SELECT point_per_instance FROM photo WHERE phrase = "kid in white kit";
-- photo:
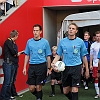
(94, 62)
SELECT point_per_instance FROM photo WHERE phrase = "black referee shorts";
(36, 73)
(72, 76)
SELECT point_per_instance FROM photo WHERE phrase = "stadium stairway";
(12, 10)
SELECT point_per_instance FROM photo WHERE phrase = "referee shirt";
(38, 50)
(72, 50)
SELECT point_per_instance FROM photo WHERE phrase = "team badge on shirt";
(40, 51)
(75, 50)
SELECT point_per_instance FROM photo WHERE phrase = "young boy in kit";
(55, 75)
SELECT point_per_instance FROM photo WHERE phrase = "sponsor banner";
(86, 1)
(71, 2)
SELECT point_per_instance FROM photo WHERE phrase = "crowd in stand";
(5, 5)
(2, 6)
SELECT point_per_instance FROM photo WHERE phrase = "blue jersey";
(72, 51)
(87, 46)
(38, 50)
(99, 54)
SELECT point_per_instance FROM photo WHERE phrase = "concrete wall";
(49, 24)
(52, 23)
(61, 15)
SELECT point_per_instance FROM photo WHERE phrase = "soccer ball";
(60, 66)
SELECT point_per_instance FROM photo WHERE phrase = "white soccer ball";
(60, 66)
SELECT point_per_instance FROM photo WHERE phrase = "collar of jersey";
(73, 39)
(37, 40)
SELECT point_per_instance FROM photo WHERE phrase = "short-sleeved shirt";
(88, 44)
(72, 50)
(38, 50)
(94, 52)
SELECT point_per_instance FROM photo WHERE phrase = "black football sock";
(61, 88)
(74, 95)
(87, 82)
(34, 93)
(69, 95)
(39, 95)
(53, 89)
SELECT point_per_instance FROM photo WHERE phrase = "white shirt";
(2, 6)
(10, 2)
(94, 49)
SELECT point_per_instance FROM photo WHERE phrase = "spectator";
(2, 1)
(16, 2)
(2, 7)
(10, 60)
(9, 4)
(13, 88)
(1, 12)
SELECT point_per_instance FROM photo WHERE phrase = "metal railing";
(16, 2)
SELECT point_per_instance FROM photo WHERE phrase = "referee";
(38, 50)
(72, 48)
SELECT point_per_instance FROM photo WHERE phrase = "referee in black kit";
(72, 48)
